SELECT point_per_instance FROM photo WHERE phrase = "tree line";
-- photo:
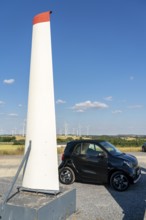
(115, 140)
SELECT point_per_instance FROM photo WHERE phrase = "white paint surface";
(42, 168)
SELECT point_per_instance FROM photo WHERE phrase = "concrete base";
(36, 206)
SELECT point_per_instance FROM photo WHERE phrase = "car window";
(97, 148)
(93, 150)
(77, 149)
(81, 148)
(91, 146)
(87, 149)
(110, 148)
(68, 148)
(84, 148)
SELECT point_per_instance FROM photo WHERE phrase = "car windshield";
(110, 148)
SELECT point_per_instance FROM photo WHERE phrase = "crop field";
(129, 149)
(10, 149)
(14, 145)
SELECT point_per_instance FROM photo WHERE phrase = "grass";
(6, 149)
(11, 149)
(129, 149)
(122, 149)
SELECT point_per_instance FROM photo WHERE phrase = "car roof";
(85, 140)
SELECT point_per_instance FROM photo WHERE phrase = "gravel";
(93, 202)
(98, 202)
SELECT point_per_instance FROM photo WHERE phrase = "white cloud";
(117, 111)
(9, 81)
(108, 98)
(20, 105)
(135, 106)
(83, 106)
(13, 115)
(60, 101)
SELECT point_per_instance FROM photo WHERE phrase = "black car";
(144, 147)
(98, 162)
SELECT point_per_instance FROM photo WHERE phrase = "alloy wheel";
(119, 181)
(66, 175)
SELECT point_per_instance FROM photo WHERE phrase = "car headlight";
(129, 164)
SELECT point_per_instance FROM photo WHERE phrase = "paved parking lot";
(97, 202)
(94, 202)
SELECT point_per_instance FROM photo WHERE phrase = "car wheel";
(119, 181)
(66, 175)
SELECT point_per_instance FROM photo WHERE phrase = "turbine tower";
(41, 171)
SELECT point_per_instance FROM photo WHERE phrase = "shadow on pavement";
(132, 201)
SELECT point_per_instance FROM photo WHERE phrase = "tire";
(66, 175)
(119, 181)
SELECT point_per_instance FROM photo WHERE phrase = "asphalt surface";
(93, 202)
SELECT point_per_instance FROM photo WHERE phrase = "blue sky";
(99, 64)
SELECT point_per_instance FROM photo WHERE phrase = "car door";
(91, 162)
